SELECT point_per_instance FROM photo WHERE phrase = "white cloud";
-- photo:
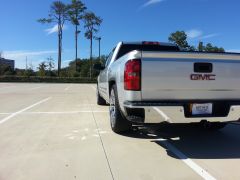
(22, 54)
(210, 36)
(54, 29)
(151, 2)
(233, 50)
(194, 33)
(199, 35)
(35, 57)
(68, 60)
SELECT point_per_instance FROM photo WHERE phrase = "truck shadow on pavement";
(192, 141)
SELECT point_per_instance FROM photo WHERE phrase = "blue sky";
(215, 21)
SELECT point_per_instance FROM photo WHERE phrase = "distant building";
(7, 62)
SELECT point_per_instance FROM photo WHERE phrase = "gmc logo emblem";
(203, 77)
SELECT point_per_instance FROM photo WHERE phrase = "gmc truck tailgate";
(184, 76)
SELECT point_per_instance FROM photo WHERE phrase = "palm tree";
(76, 13)
(92, 23)
(58, 15)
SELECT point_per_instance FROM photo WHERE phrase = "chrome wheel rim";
(112, 108)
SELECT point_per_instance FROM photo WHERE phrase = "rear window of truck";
(126, 48)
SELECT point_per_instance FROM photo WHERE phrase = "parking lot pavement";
(56, 131)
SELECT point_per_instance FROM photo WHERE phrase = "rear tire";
(119, 123)
(100, 100)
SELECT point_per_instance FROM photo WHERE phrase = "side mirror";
(98, 67)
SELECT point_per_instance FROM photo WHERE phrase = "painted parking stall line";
(65, 112)
(68, 87)
(94, 88)
(2, 88)
(166, 118)
(36, 88)
(23, 110)
(55, 112)
(195, 167)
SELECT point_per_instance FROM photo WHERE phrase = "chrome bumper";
(175, 114)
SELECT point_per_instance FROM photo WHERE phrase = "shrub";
(46, 79)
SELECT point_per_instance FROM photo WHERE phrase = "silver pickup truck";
(152, 82)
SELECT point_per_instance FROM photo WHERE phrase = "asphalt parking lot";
(56, 131)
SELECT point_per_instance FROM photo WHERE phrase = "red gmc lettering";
(203, 77)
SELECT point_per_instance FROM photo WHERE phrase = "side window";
(109, 58)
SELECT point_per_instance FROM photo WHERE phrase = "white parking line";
(65, 112)
(166, 118)
(68, 87)
(36, 88)
(94, 88)
(199, 170)
(86, 104)
(56, 112)
(7, 87)
(21, 111)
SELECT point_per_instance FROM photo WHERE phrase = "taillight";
(132, 75)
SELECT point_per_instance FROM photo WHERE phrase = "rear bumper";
(175, 112)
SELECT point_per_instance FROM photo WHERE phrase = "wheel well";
(111, 83)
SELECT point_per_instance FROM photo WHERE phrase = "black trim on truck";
(203, 67)
(136, 115)
(126, 48)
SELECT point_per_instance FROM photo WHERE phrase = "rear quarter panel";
(116, 74)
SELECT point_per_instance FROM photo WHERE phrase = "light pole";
(76, 46)
(99, 47)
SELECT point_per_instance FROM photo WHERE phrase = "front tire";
(119, 123)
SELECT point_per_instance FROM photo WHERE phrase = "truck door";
(103, 77)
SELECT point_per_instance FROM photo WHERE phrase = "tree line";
(180, 38)
(78, 69)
